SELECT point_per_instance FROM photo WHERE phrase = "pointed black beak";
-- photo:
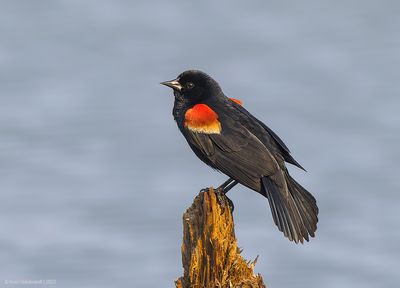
(174, 84)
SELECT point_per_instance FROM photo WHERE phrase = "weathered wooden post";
(210, 255)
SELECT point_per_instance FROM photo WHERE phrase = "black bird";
(228, 138)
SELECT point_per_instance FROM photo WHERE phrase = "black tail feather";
(294, 210)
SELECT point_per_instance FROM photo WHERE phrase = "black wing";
(270, 139)
(236, 152)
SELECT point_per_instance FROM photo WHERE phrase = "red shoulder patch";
(236, 101)
(201, 118)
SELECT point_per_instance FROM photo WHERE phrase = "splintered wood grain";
(210, 255)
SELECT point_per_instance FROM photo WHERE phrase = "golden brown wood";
(210, 255)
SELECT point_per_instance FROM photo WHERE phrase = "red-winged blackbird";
(228, 138)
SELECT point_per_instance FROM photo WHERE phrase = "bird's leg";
(224, 185)
(230, 186)
(223, 189)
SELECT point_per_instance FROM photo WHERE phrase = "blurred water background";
(95, 174)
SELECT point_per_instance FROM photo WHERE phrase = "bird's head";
(194, 86)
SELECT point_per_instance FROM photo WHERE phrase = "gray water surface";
(95, 175)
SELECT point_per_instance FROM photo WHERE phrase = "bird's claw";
(204, 190)
(223, 199)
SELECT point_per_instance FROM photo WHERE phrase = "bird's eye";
(189, 85)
